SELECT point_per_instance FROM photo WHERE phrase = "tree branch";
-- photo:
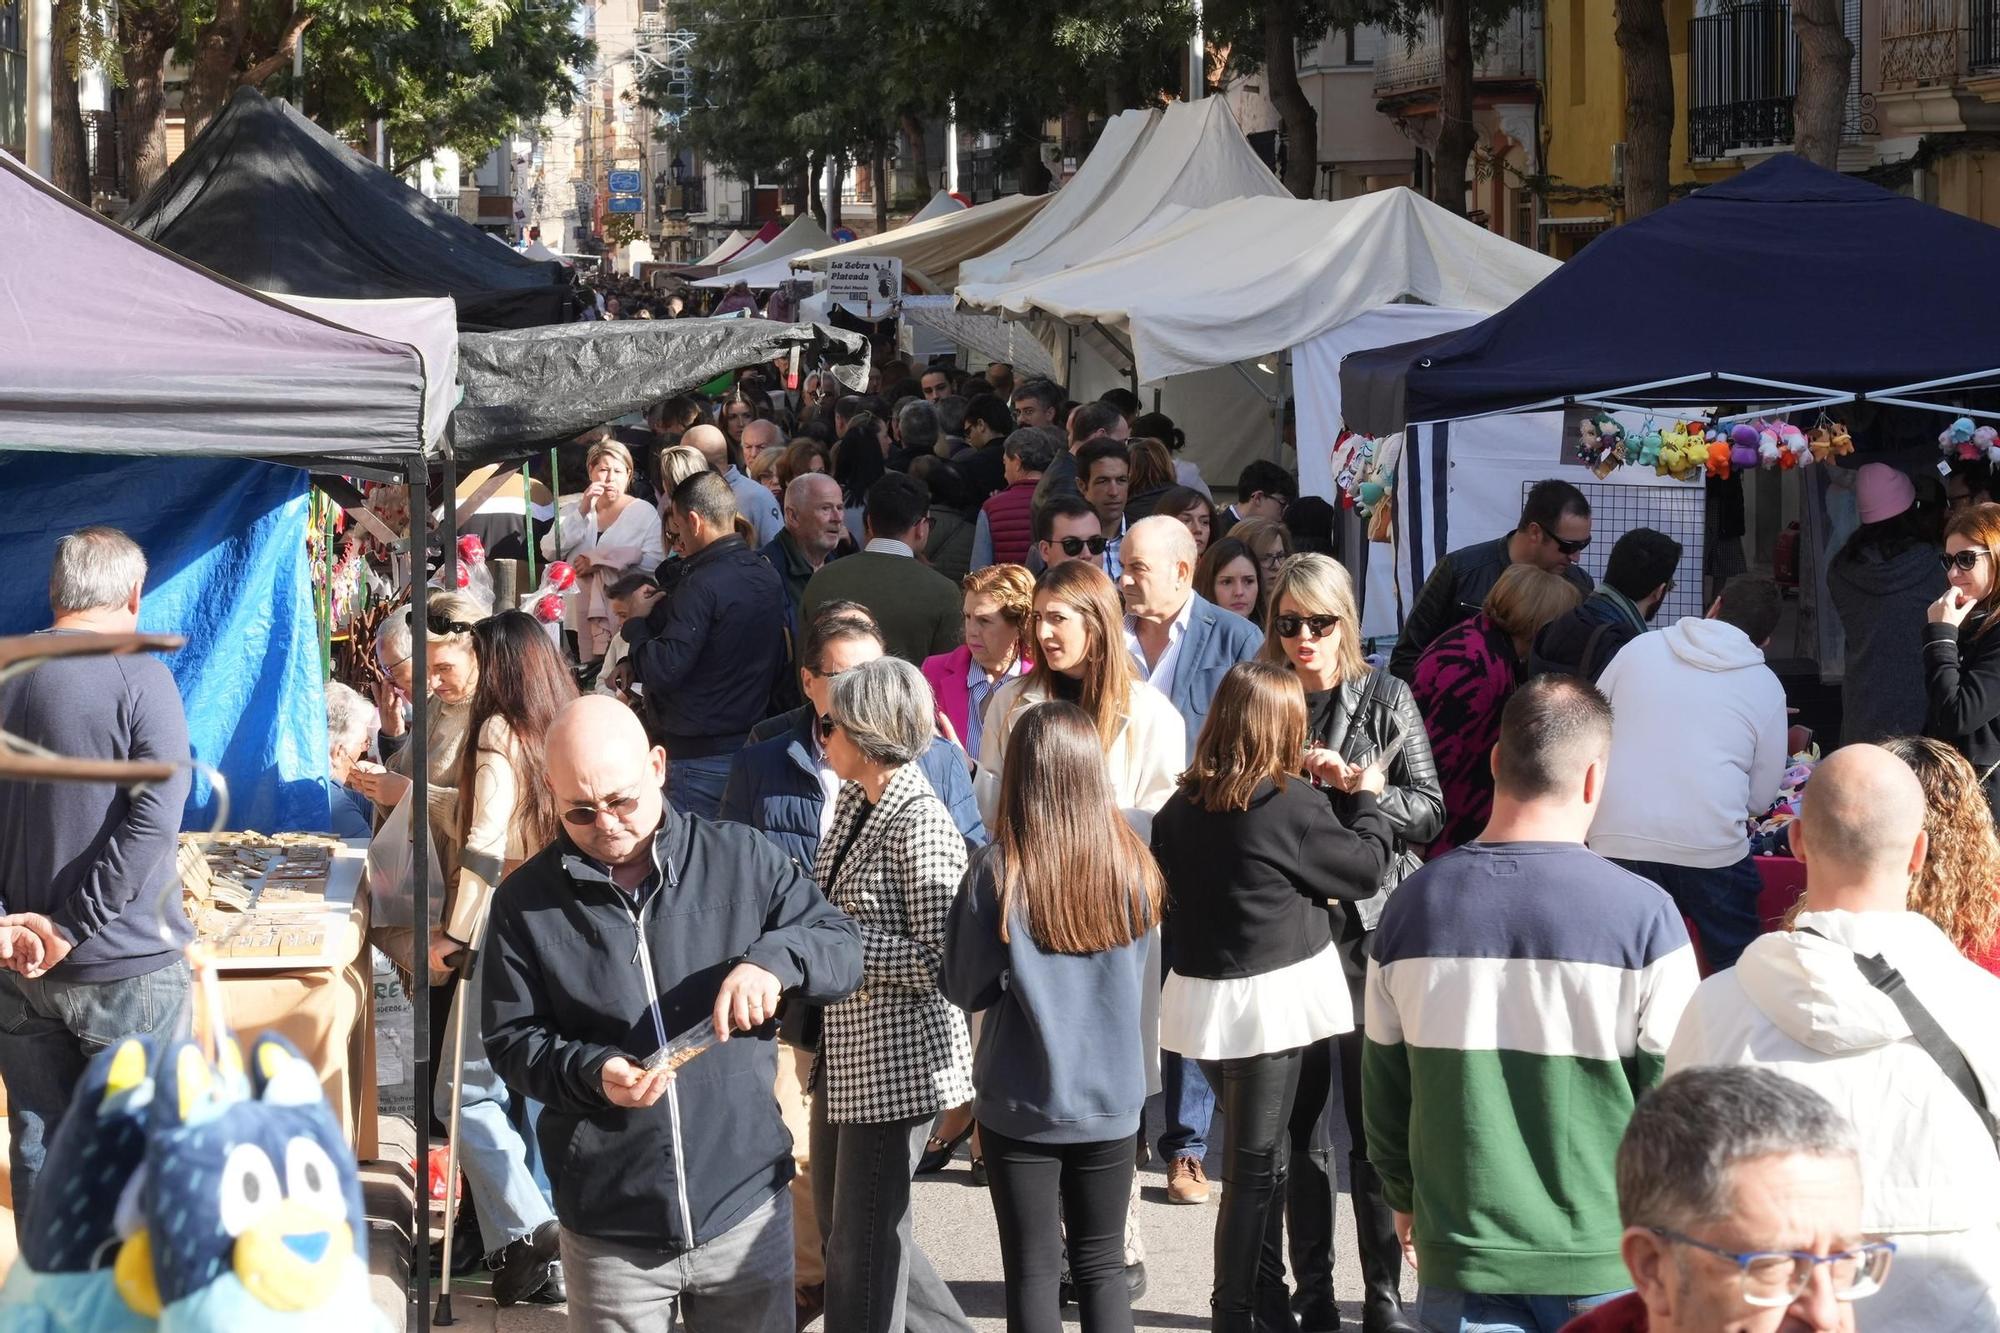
(294, 33)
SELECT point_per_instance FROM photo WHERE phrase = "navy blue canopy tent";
(1789, 286)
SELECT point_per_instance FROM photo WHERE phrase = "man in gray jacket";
(92, 937)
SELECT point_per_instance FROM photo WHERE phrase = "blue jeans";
(1441, 1310)
(694, 786)
(50, 1029)
(1722, 904)
(492, 1151)
(1188, 1108)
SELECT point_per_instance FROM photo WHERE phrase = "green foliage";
(463, 74)
(772, 83)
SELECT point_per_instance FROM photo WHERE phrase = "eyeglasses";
(826, 726)
(1569, 547)
(1962, 561)
(442, 624)
(1289, 626)
(618, 807)
(1074, 546)
(1774, 1278)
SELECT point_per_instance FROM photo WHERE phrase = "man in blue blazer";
(1184, 645)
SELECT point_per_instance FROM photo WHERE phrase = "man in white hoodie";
(1697, 747)
(1818, 1004)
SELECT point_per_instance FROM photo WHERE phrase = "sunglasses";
(826, 725)
(582, 816)
(1962, 561)
(1288, 627)
(441, 624)
(1569, 547)
(1074, 546)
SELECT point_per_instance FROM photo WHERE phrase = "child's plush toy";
(1793, 446)
(1718, 460)
(1743, 446)
(1987, 441)
(1767, 447)
(1650, 445)
(252, 1204)
(1955, 440)
(85, 1204)
(1843, 444)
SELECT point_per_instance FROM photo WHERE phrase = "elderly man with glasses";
(639, 923)
(1740, 1192)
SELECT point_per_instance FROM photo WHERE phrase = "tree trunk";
(212, 71)
(1456, 133)
(1028, 164)
(839, 175)
(1649, 103)
(1281, 66)
(881, 168)
(70, 169)
(146, 32)
(920, 155)
(815, 187)
(1075, 130)
(1825, 57)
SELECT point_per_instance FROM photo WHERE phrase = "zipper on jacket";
(644, 958)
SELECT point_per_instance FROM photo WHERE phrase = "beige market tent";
(932, 250)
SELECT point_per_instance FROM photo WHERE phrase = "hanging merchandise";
(194, 1196)
(1963, 442)
(1364, 471)
(1692, 450)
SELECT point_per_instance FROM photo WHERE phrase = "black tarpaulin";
(525, 388)
(265, 196)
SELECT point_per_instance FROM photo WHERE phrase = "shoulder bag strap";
(1361, 707)
(1924, 1030)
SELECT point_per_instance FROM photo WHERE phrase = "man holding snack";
(637, 923)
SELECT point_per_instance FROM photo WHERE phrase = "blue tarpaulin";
(1786, 284)
(225, 542)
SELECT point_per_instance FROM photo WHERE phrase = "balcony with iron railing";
(1932, 43)
(1512, 53)
(101, 152)
(1743, 78)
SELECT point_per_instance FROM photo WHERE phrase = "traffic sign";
(625, 203)
(624, 182)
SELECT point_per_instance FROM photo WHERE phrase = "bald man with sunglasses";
(637, 924)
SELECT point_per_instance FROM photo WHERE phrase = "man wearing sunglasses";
(1740, 1191)
(638, 924)
(1869, 1004)
(1067, 528)
(1552, 534)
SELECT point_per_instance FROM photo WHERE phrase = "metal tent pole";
(417, 1315)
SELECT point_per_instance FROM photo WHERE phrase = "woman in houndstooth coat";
(896, 1052)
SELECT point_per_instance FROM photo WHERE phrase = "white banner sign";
(864, 285)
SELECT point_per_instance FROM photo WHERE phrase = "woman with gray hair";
(896, 1052)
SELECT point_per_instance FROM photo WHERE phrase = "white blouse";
(1237, 1017)
(637, 529)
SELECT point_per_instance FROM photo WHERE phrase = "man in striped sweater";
(1521, 996)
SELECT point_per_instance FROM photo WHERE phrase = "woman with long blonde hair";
(1358, 719)
(1959, 887)
(1047, 943)
(1961, 653)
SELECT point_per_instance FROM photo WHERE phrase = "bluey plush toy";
(85, 1205)
(251, 1203)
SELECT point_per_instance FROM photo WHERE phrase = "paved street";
(955, 1227)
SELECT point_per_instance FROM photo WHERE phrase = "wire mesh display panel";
(1679, 511)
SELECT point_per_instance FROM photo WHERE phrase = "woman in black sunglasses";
(1961, 652)
(1358, 719)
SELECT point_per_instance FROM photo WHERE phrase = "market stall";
(265, 196)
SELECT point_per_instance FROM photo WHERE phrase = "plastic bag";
(391, 885)
(682, 1048)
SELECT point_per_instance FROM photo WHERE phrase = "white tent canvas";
(801, 236)
(933, 249)
(942, 205)
(1191, 154)
(724, 248)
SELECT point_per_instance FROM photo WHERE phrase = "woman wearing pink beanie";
(1881, 583)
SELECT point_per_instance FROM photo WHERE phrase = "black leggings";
(1316, 1074)
(1255, 1095)
(1038, 1189)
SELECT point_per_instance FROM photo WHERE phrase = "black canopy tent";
(1789, 286)
(265, 196)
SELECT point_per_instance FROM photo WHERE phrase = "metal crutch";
(461, 967)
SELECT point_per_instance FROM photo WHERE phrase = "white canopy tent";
(932, 249)
(942, 204)
(801, 236)
(724, 248)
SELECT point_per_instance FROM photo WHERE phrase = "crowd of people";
(970, 776)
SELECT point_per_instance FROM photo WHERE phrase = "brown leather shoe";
(1186, 1182)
